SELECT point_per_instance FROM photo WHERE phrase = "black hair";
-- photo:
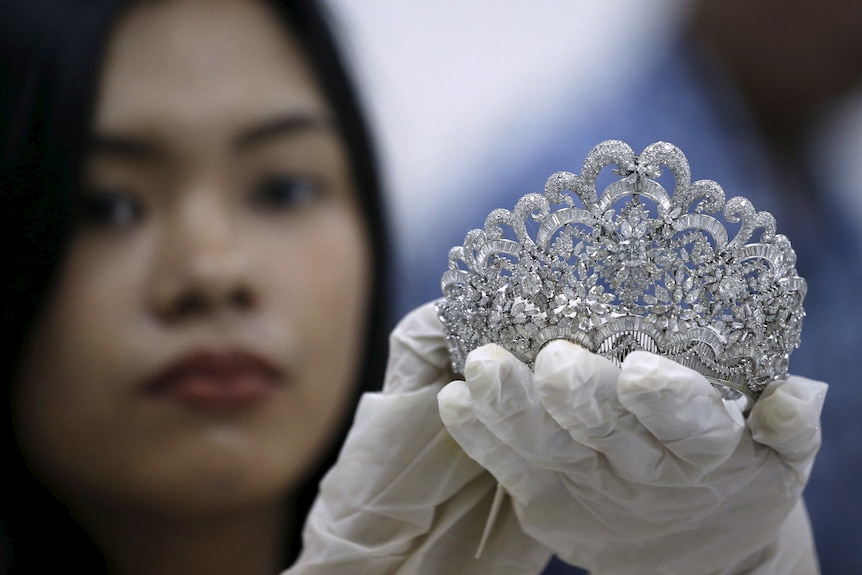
(51, 54)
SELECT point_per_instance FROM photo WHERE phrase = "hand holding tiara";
(403, 499)
(641, 469)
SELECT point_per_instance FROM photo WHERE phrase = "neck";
(248, 542)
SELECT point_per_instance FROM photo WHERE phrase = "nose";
(200, 268)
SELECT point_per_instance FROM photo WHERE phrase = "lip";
(216, 381)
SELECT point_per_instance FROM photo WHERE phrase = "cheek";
(324, 299)
(95, 304)
(70, 383)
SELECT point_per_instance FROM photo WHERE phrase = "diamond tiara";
(632, 268)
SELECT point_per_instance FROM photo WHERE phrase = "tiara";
(632, 268)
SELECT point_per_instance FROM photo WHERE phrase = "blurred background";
(476, 103)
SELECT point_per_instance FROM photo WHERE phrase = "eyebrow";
(141, 149)
(125, 148)
(283, 126)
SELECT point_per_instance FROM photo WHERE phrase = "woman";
(194, 297)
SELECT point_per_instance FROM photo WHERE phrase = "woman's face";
(205, 333)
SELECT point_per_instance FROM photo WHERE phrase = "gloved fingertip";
(422, 320)
(645, 364)
(497, 377)
(787, 416)
(565, 371)
(456, 407)
(489, 359)
(418, 353)
(562, 355)
(455, 394)
(648, 373)
(577, 388)
(808, 390)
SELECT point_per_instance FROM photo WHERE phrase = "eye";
(286, 192)
(109, 209)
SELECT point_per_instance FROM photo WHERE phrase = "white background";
(442, 78)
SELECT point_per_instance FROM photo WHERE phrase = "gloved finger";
(579, 390)
(504, 400)
(500, 386)
(395, 502)
(503, 462)
(398, 454)
(787, 417)
(417, 352)
(545, 507)
(681, 409)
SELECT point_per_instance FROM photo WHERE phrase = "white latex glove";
(403, 497)
(644, 469)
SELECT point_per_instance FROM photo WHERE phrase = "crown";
(632, 268)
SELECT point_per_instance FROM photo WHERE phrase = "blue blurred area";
(685, 99)
(557, 567)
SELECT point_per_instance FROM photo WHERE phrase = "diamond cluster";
(706, 282)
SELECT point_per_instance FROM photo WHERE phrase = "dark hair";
(51, 53)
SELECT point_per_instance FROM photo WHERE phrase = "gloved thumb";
(787, 418)
(418, 355)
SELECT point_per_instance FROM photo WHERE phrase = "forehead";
(188, 64)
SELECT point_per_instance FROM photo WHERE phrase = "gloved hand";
(403, 497)
(642, 469)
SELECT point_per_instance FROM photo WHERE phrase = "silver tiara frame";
(631, 268)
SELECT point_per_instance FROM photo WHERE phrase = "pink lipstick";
(216, 381)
